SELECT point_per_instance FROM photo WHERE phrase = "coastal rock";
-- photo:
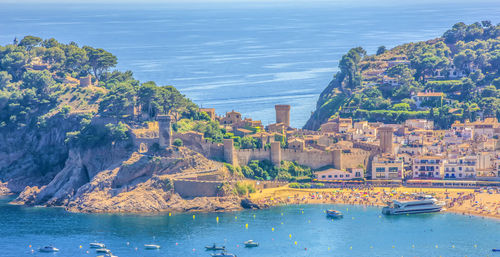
(248, 204)
(93, 181)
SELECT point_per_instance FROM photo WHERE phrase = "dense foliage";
(463, 64)
(265, 170)
(39, 80)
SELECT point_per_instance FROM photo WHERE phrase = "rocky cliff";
(112, 180)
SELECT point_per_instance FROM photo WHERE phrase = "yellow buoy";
(254, 216)
(393, 246)
(235, 217)
(80, 247)
(328, 248)
(272, 229)
(352, 217)
(290, 235)
(217, 219)
(302, 212)
(436, 246)
(371, 247)
(475, 246)
(412, 246)
(453, 246)
(281, 223)
(246, 225)
(169, 214)
(347, 209)
(194, 217)
(281, 214)
(350, 247)
(295, 242)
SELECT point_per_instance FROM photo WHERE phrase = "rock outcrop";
(110, 180)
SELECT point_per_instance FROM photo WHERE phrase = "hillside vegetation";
(45, 111)
(454, 77)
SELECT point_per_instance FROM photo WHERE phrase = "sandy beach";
(461, 201)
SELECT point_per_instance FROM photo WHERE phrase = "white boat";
(97, 245)
(48, 249)
(423, 204)
(251, 243)
(151, 247)
(102, 250)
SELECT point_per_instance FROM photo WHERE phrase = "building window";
(380, 169)
(323, 176)
(330, 176)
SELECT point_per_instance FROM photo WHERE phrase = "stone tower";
(385, 134)
(229, 152)
(283, 114)
(276, 153)
(165, 130)
(86, 81)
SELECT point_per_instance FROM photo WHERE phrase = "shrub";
(178, 142)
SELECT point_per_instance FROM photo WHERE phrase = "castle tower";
(385, 134)
(165, 130)
(276, 153)
(229, 153)
(283, 114)
(86, 81)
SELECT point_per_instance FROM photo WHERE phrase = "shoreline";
(460, 201)
(375, 196)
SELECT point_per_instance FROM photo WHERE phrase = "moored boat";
(151, 247)
(334, 214)
(251, 243)
(423, 204)
(214, 247)
(223, 254)
(97, 245)
(102, 250)
(48, 249)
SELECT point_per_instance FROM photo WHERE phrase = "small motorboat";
(151, 247)
(214, 247)
(223, 254)
(102, 250)
(334, 214)
(251, 243)
(48, 249)
(97, 245)
(495, 250)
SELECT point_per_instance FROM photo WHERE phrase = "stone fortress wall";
(313, 158)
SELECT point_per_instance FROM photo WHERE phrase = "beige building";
(335, 174)
(428, 167)
(387, 167)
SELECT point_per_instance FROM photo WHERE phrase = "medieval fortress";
(315, 149)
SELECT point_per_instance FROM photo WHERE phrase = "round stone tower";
(283, 114)
(165, 130)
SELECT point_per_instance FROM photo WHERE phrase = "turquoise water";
(363, 229)
(247, 57)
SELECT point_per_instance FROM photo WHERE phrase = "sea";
(239, 55)
(288, 231)
(243, 56)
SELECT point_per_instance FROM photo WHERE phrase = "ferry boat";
(423, 204)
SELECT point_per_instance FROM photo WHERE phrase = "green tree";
(40, 80)
(29, 42)
(381, 50)
(100, 60)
